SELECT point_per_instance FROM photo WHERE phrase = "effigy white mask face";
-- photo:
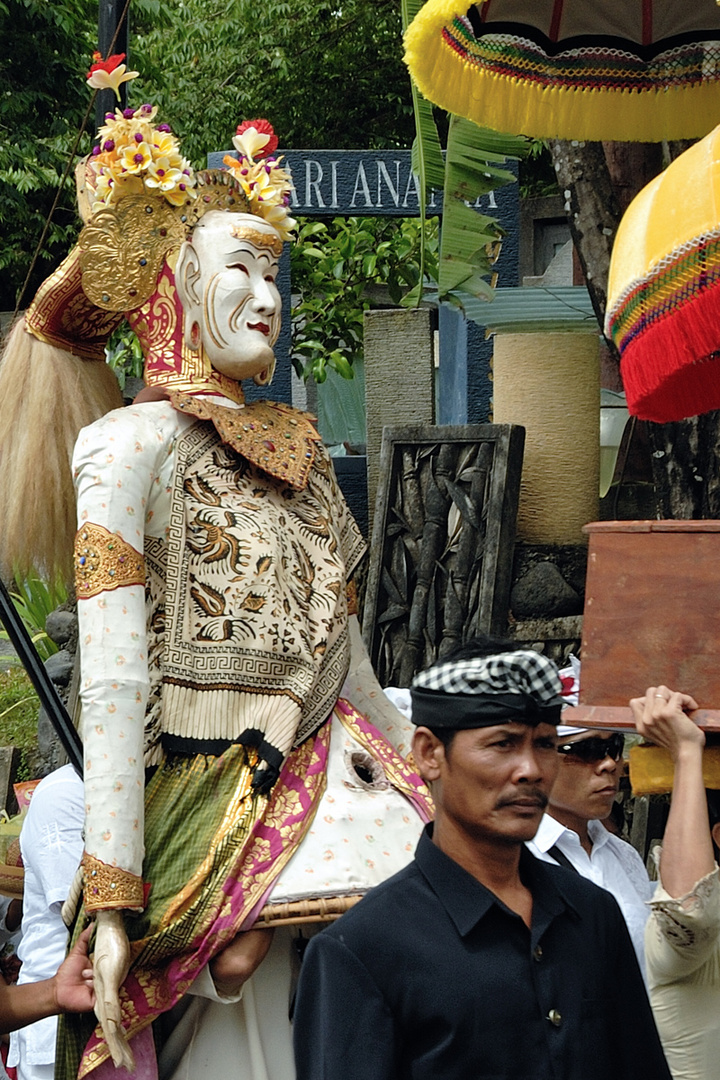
(225, 278)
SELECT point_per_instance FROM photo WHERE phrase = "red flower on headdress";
(105, 65)
(568, 684)
(263, 127)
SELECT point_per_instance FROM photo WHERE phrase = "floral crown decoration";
(266, 184)
(140, 198)
(134, 156)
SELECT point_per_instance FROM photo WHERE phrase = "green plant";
(19, 707)
(124, 354)
(34, 600)
(474, 164)
(332, 265)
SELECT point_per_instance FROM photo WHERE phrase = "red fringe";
(669, 371)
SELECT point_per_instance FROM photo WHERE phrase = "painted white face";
(226, 283)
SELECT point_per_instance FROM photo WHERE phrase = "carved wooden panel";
(442, 544)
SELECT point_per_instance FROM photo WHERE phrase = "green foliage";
(124, 354)
(537, 176)
(332, 265)
(19, 708)
(324, 74)
(34, 600)
(472, 167)
(44, 52)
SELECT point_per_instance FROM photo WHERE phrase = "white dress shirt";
(613, 864)
(51, 846)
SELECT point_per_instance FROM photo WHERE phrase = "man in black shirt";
(479, 962)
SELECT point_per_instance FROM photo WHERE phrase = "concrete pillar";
(399, 377)
(550, 383)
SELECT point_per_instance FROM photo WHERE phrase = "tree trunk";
(686, 466)
(593, 211)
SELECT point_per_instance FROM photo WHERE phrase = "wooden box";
(652, 616)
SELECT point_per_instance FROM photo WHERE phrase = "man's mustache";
(524, 796)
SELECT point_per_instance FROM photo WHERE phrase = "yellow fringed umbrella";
(626, 70)
(663, 306)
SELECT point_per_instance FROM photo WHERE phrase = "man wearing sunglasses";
(571, 832)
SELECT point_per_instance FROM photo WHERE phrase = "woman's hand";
(661, 716)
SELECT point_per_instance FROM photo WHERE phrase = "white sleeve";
(116, 463)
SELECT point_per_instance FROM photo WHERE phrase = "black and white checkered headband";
(486, 690)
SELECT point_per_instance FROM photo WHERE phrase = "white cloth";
(51, 846)
(682, 947)
(400, 698)
(613, 864)
(252, 1032)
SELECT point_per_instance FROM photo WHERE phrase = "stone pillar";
(550, 383)
(399, 377)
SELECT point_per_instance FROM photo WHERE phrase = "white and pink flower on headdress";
(267, 185)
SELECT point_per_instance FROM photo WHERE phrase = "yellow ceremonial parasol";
(663, 309)
(627, 70)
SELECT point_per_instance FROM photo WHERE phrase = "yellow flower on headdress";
(136, 157)
(162, 175)
(280, 219)
(165, 145)
(267, 186)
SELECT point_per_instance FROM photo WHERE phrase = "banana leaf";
(426, 157)
(474, 165)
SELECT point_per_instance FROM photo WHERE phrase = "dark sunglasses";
(595, 749)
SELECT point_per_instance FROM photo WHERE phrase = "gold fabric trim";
(62, 315)
(110, 887)
(104, 561)
(259, 239)
(277, 438)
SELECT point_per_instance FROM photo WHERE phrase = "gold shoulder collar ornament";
(279, 439)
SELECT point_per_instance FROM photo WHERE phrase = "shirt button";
(537, 952)
(555, 1018)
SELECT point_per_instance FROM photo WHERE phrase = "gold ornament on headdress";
(122, 250)
(124, 245)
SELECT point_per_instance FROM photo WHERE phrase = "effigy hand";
(111, 963)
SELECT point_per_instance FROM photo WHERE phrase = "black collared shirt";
(432, 977)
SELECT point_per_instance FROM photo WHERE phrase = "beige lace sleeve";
(683, 933)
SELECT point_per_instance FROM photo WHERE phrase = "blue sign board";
(351, 183)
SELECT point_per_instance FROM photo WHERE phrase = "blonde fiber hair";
(46, 396)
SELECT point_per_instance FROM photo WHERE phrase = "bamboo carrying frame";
(306, 911)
